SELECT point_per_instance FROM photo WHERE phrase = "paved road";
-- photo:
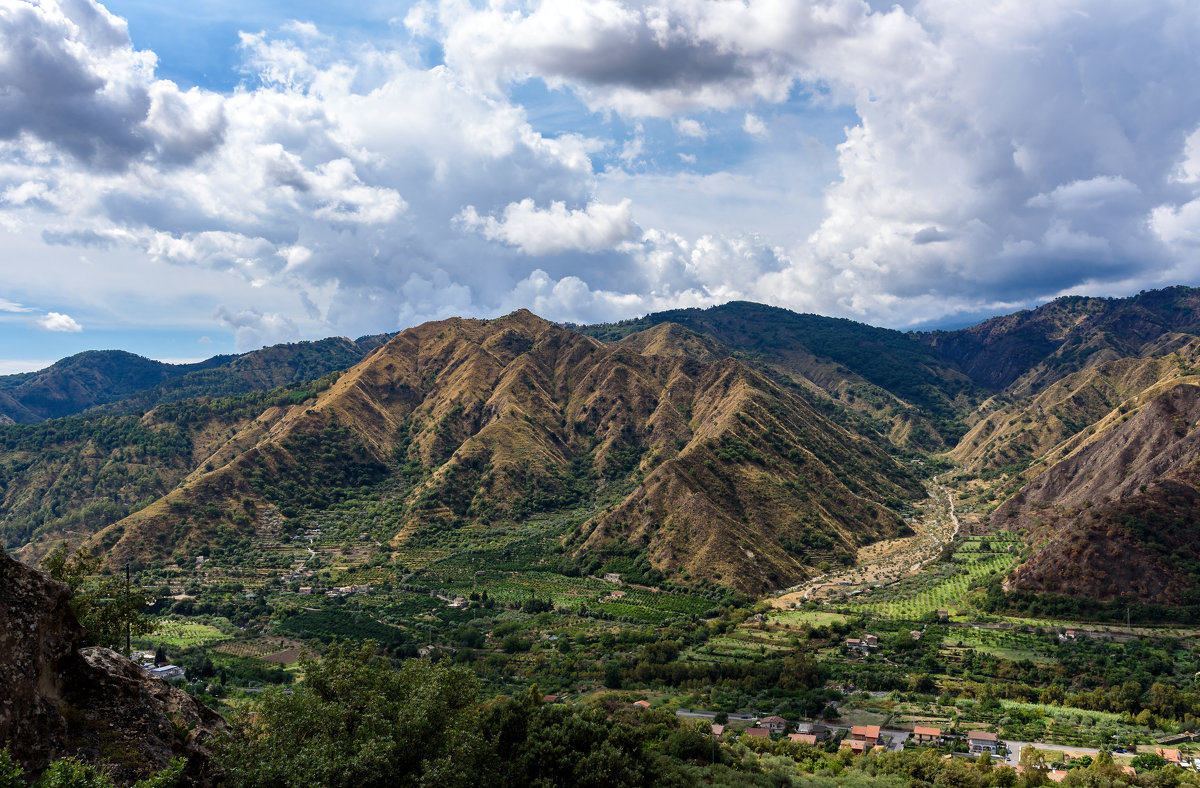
(1015, 747)
(711, 714)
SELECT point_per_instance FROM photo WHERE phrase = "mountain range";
(742, 445)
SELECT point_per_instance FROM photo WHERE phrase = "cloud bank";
(999, 153)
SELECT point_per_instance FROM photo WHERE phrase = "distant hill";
(1027, 351)
(890, 375)
(126, 382)
(94, 377)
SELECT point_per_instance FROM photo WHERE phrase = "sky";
(186, 179)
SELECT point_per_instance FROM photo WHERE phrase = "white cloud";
(55, 321)
(13, 306)
(754, 125)
(690, 127)
(996, 154)
(254, 329)
(557, 229)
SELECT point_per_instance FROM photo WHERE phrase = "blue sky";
(181, 180)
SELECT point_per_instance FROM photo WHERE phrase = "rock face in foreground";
(58, 700)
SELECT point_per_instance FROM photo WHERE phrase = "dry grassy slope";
(1029, 428)
(1078, 510)
(714, 516)
(497, 411)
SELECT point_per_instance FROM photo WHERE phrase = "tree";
(1148, 761)
(110, 607)
(357, 723)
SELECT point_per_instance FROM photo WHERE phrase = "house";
(645, 704)
(758, 733)
(1169, 754)
(1056, 775)
(167, 672)
(872, 641)
(859, 747)
(718, 730)
(915, 634)
(612, 577)
(774, 723)
(305, 590)
(459, 603)
(803, 738)
(854, 644)
(813, 729)
(552, 699)
(142, 657)
(925, 735)
(979, 742)
(865, 733)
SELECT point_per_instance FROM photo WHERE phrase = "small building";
(774, 723)
(758, 733)
(860, 646)
(718, 730)
(814, 729)
(872, 641)
(552, 699)
(1057, 775)
(459, 603)
(645, 704)
(1170, 755)
(612, 577)
(924, 735)
(859, 747)
(803, 738)
(979, 742)
(167, 672)
(304, 590)
(865, 733)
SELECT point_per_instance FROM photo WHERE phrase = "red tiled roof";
(803, 738)
(761, 733)
(923, 731)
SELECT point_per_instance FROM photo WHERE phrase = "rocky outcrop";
(58, 700)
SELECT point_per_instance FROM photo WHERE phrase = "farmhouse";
(775, 724)
(803, 738)
(981, 741)
(865, 733)
(925, 735)
(758, 733)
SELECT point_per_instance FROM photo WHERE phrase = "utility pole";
(128, 619)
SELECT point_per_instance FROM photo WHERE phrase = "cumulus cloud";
(69, 76)
(254, 329)
(55, 321)
(996, 154)
(556, 229)
(754, 125)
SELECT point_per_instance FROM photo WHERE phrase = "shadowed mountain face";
(491, 421)
(1120, 516)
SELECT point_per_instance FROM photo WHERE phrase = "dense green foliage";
(110, 608)
(75, 773)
